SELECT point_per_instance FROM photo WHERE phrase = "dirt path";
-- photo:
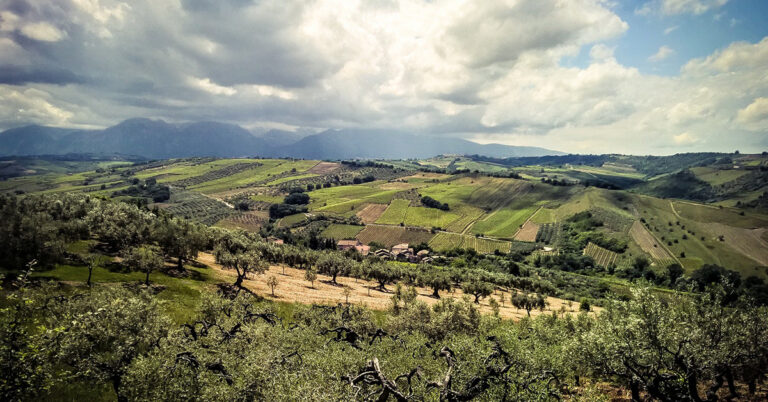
(293, 288)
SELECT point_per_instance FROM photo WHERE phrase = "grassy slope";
(340, 232)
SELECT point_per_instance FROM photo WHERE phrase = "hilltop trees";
(333, 265)
(179, 239)
(477, 288)
(237, 252)
(120, 225)
(528, 302)
(437, 281)
(381, 273)
(668, 348)
(310, 276)
(99, 336)
(143, 259)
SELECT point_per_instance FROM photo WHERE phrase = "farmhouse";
(361, 248)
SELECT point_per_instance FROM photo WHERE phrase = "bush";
(297, 199)
(433, 203)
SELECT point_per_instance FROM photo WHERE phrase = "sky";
(581, 76)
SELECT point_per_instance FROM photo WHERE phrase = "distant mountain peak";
(155, 138)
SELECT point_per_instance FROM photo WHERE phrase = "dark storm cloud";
(20, 75)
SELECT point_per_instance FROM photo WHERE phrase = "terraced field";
(649, 244)
(602, 257)
(199, 208)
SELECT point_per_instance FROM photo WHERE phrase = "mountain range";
(157, 139)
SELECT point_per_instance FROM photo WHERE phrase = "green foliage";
(143, 259)
(297, 198)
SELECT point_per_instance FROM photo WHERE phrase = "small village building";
(344, 245)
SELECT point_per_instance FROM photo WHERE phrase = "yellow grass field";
(293, 288)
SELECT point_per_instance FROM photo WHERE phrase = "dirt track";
(293, 288)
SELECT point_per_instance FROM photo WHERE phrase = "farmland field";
(251, 220)
(269, 169)
(548, 233)
(602, 257)
(648, 243)
(445, 241)
(341, 232)
(199, 208)
(503, 223)
(711, 214)
(391, 235)
(395, 213)
(345, 199)
(528, 232)
(371, 212)
(291, 220)
(428, 217)
(717, 176)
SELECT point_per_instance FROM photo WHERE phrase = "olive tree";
(98, 335)
(179, 239)
(143, 259)
(477, 288)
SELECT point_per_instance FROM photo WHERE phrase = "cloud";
(671, 29)
(42, 31)
(663, 53)
(755, 115)
(206, 85)
(685, 139)
(492, 71)
(677, 7)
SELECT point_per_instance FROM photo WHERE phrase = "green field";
(346, 200)
(717, 177)
(395, 213)
(268, 169)
(503, 223)
(445, 241)
(291, 220)
(341, 232)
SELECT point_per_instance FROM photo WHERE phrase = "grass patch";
(395, 213)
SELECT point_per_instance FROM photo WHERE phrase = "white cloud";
(31, 105)
(755, 115)
(206, 85)
(676, 7)
(42, 31)
(663, 53)
(685, 139)
(490, 70)
(601, 52)
(671, 29)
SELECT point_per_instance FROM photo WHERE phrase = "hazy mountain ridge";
(159, 139)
